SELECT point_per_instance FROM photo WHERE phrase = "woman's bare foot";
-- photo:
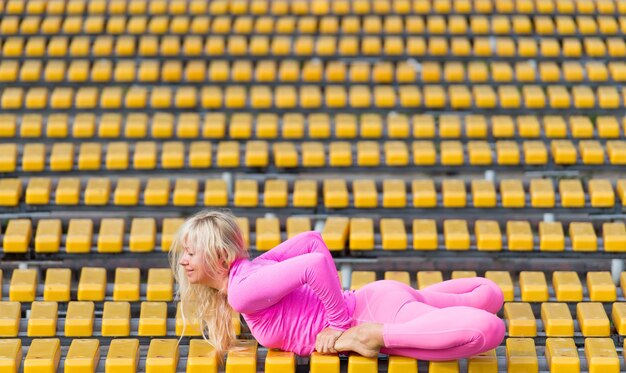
(365, 339)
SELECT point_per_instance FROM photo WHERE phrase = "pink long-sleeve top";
(290, 293)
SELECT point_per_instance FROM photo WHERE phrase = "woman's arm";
(302, 243)
(269, 284)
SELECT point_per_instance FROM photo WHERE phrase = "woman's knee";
(495, 296)
(491, 330)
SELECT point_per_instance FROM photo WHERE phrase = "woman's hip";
(380, 301)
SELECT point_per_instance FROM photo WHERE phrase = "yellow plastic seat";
(561, 353)
(126, 285)
(613, 234)
(215, 193)
(592, 319)
(152, 319)
(533, 286)
(567, 286)
(43, 355)
(484, 96)
(246, 193)
(111, 235)
(521, 319)
(601, 287)
(368, 153)
(243, 357)
(571, 192)
(551, 237)
(394, 193)
(305, 193)
(268, 233)
(456, 234)
(340, 154)
(601, 193)
(159, 285)
(23, 286)
(601, 354)
(335, 232)
(116, 319)
(479, 153)
(48, 236)
(297, 225)
(17, 236)
(425, 234)
(507, 152)
(365, 193)
(488, 235)
(43, 319)
(92, 284)
(616, 151)
(335, 193)
(11, 353)
(512, 193)
(583, 236)
(79, 236)
(519, 235)
(201, 357)
(79, 319)
(62, 157)
(275, 193)
(97, 191)
(57, 285)
(83, 354)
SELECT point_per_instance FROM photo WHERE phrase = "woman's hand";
(325, 341)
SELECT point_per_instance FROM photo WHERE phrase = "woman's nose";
(183, 261)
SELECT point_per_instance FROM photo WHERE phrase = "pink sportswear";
(292, 292)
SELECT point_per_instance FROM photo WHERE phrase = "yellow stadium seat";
(520, 319)
(48, 235)
(116, 319)
(152, 319)
(43, 354)
(79, 236)
(601, 354)
(533, 286)
(519, 235)
(592, 319)
(111, 235)
(92, 284)
(43, 319)
(79, 319)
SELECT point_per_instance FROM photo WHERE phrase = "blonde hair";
(214, 234)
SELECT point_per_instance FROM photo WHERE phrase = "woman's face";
(194, 266)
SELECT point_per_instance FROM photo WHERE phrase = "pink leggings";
(450, 320)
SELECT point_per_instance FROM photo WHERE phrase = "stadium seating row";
(353, 24)
(309, 97)
(78, 320)
(38, 157)
(166, 355)
(303, 7)
(303, 192)
(109, 235)
(129, 286)
(293, 125)
(307, 46)
(333, 72)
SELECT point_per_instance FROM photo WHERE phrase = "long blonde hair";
(214, 234)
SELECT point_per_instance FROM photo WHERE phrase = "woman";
(291, 299)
